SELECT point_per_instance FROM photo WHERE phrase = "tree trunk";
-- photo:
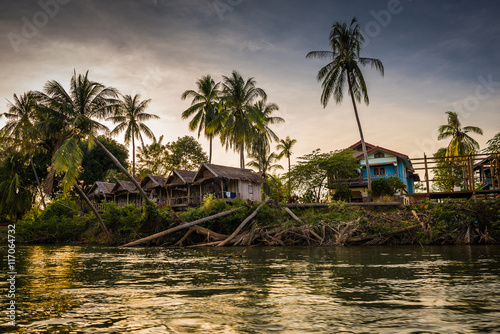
(210, 157)
(240, 227)
(96, 213)
(119, 165)
(133, 157)
(180, 227)
(242, 155)
(37, 181)
(360, 134)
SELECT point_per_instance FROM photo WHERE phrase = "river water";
(90, 289)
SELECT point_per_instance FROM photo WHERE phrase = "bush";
(58, 223)
(381, 187)
(342, 193)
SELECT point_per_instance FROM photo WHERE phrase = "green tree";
(19, 127)
(285, 147)
(186, 154)
(152, 158)
(96, 165)
(239, 118)
(493, 144)
(346, 43)
(448, 174)
(130, 116)
(204, 109)
(316, 172)
(461, 143)
(16, 194)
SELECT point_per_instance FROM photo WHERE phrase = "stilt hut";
(101, 192)
(154, 186)
(227, 183)
(125, 192)
(178, 188)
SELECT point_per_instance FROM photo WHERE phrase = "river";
(93, 289)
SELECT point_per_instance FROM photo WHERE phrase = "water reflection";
(259, 290)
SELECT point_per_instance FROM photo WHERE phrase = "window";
(250, 189)
(378, 171)
(379, 155)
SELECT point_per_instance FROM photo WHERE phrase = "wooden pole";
(426, 175)
(179, 227)
(249, 218)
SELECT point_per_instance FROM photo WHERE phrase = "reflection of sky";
(435, 54)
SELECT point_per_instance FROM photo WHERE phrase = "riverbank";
(338, 224)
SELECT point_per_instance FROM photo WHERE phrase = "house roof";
(184, 175)
(126, 186)
(357, 146)
(382, 149)
(98, 188)
(157, 181)
(226, 172)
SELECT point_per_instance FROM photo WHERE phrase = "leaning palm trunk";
(360, 133)
(119, 165)
(96, 213)
(37, 181)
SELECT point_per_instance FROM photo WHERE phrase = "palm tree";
(239, 118)
(263, 135)
(204, 108)
(19, 127)
(130, 117)
(461, 143)
(346, 43)
(285, 149)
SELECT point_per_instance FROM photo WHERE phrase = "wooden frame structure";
(474, 169)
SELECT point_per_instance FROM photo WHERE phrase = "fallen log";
(293, 215)
(179, 227)
(235, 233)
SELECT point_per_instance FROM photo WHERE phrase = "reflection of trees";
(43, 273)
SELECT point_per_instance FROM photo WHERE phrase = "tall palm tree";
(20, 125)
(346, 43)
(285, 149)
(461, 143)
(204, 108)
(130, 117)
(240, 119)
(263, 135)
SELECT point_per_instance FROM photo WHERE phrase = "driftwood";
(361, 239)
(180, 227)
(293, 215)
(235, 233)
(203, 231)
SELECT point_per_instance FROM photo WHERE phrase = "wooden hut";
(154, 186)
(227, 183)
(125, 192)
(101, 191)
(178, 188)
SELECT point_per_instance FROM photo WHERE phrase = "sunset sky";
(438, 56)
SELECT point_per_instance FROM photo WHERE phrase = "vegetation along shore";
(337, 224)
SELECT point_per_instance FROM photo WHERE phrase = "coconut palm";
(239, 118)
(461, 143)
(204, 108)
(346, 43)
(263, 135)
(19, 127)
(130, 117)
(285, 149)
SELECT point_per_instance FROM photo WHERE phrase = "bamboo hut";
(154, 186)
(125, 192)
(227, 183)
(177, 187)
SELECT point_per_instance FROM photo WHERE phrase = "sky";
(438, 56)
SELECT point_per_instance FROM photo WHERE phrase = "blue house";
(384, 163)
